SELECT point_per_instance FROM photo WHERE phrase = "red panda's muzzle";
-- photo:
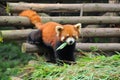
(70, 40)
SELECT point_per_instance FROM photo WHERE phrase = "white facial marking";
(62, 38)
(70, 40)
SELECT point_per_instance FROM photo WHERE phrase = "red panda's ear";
(59, 29)
(78, 27)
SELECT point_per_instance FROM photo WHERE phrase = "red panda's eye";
(75, 36)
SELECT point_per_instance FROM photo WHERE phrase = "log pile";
(49, 8)
(24, 21)
(96, 7)
(30, 48)
(85, 33)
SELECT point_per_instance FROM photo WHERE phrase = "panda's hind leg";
(50, 56)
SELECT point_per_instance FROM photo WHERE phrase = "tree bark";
(15, 34)
(85, 33)
(100, 32)
(30, 48)
(99, 46)
(14, 21)
(114, 14)
(95, 7)
(24, 21)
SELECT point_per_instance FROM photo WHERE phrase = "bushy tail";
(33, 16)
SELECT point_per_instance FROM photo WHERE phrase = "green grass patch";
(13, 63)
(11, 59)
(87, 68)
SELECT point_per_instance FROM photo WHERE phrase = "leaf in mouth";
(61, 46)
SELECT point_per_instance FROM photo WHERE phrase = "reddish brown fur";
(48, 29)
(49, 33)
(69, 29)
(33, 16)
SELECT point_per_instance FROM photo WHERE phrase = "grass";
(10, 59)
(87, 68)
(15, 64)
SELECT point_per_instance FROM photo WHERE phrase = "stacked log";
(85, 33)
(24, 21)
(95, 7)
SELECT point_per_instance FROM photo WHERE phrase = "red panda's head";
(68, 33)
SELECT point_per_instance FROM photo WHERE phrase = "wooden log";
(32, 1)
(30, 48)
(84, 19)
(98, 25)
(86, 32)
(98, 46)
(24, 21)
(33, 48)
(14, 21)
(114, 14)
(21, 0)
(95, 7)
(15, 34)
(100, 32)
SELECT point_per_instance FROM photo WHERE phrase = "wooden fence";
(23, 21)
(95, 7)
(86, 32)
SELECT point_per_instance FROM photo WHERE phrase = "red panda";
(51, 35)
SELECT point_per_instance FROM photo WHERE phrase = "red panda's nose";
(71, 42)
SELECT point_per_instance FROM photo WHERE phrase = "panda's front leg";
(66, 54)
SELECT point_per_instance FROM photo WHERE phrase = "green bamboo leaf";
(61, 46)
